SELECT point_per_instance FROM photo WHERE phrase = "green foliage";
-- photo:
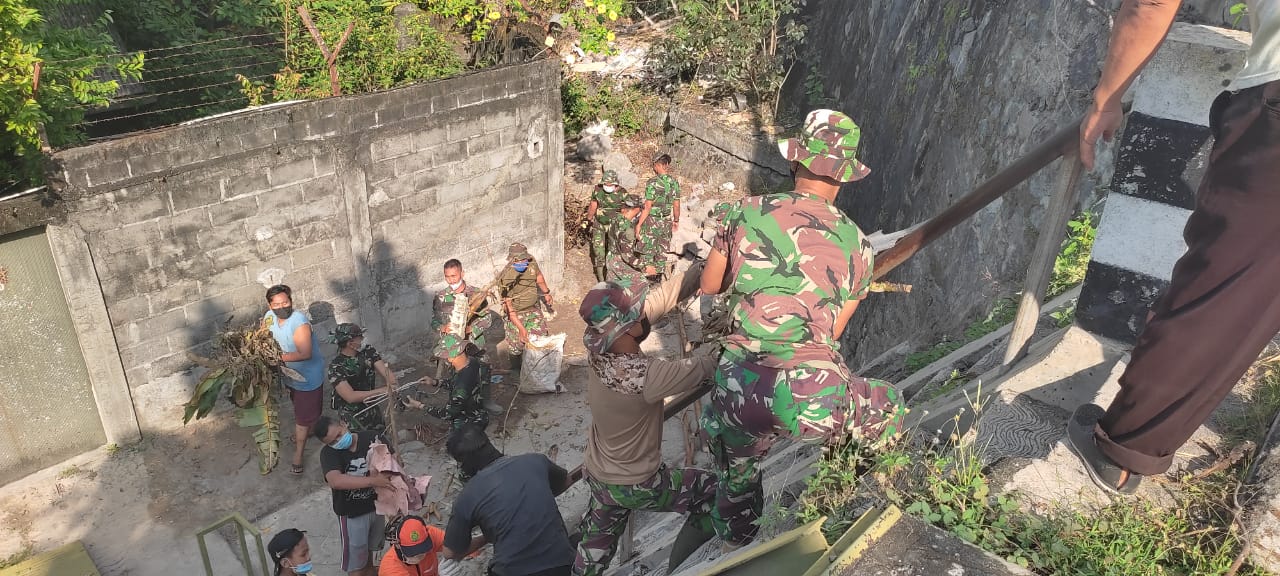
(477, 19)
(585, 102)
(73, 63)
(742, 46)
(1238, 11)
(1073, 258)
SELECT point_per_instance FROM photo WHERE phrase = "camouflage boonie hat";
(828, 146)
(518, 252)
(610, 177)
(609, 309)
(632, 201)
(345, 332)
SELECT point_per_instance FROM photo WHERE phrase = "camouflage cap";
(610, 177)
(518, 252)
(632, 201)
(609, 309)
(828, 146)
(345, 332)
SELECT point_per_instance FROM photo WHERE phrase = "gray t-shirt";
(512, 502)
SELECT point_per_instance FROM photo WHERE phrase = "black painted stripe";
(1114, 302)
(1161, 160)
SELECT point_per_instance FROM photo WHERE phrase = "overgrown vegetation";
(736, 46)
(1068, 272)
(1195, 535)
(585, 102)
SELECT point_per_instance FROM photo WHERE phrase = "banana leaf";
(205, 395)
(267, 436)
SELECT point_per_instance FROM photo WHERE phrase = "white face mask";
(456, 286)
(610, 187)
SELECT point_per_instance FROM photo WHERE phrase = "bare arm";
(302, 342)
(591, 210)
(384, 370)
(515, 319)
(542, 286)
(340, 481)
(712, 281)
(352, 395)
(477, 542)
(842, 320)
(675, 214)
(644, 214)
(1140, 28)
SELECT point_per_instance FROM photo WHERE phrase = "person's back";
(794, 261)
(513, 503)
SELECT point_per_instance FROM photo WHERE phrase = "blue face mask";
(304, 568)
(520, 266)
(342, 444)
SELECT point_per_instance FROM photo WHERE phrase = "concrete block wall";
(1160, 160)
(355, 202)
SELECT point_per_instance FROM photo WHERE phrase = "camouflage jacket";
(624, 252)
(442, 309)
(794, 260)
(358, 372)
(607, 203)
(663, 190)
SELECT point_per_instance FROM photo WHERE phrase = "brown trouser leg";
(1222, 304)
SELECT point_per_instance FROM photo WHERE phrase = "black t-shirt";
(512, 502)
(351, 503)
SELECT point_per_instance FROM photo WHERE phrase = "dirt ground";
(137, 508)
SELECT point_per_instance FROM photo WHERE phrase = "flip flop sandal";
(295, 469)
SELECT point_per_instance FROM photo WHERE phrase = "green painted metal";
(791, 552)
(69, 560)
(242, 526)
(872, 525)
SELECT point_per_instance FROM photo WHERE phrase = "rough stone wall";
(948, 93)
(355, 202)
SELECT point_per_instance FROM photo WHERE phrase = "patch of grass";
(953, 382)
(112, 449)
(70, 472)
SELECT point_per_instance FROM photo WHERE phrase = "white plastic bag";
(543, 362)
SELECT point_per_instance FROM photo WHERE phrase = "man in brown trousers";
(1221, 306)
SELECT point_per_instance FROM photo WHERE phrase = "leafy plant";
(1073, 258)
(477, 19)
(740, 46)
(74, 64)
(585, 102)
(246, 362)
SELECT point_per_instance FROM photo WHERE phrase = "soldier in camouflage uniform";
(522, 288)
(625, 259)
(606, 199)
(451, 346)
(351, 373)
(661, 213)
(623, 462)
(795, 268)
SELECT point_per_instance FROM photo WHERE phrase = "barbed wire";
(205, 72)
(146, 70)
(161, 111)
(150, 95)
(166, 49)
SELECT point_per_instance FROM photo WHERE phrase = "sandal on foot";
(1107, 475)
(295, 469)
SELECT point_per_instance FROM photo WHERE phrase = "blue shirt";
(311, 369)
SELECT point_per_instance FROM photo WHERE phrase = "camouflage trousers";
(535, 323)
(599, 243)
(617, 269)
(684, 490)
(655, 239)
(753, 405)
(451, 345)
(466, 402)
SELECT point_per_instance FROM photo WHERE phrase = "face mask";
(456, 286)
(520, 266)
(610, 187)
(284, 313)
(343, 443)
(304, 568)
